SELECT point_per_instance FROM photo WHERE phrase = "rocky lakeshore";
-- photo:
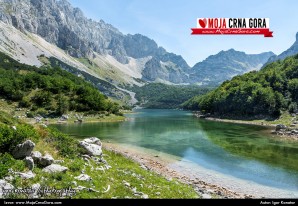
(207, 184)
(161, 166)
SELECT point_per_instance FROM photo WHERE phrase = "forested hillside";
(267, 92)
(162, 96)
(49, 91)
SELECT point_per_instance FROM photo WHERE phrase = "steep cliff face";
(59, 23)
(102, 50)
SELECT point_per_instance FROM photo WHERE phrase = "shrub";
(7, 162)
(293, 107)
(9, 137)
(25, 103)
(6, 138)
(66, 145)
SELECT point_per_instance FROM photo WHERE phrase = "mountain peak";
(231, 50)
(116, 57)
(226, 64)
(289, 52)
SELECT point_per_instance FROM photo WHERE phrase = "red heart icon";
(203, 23)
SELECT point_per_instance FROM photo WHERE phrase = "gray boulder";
(91, 149)
(53, 168)
(4, 187)
(23, 150)
(36, 155)
(29, 163)
(280, 127)
(25, 175)
(93, 140)
(46, 160)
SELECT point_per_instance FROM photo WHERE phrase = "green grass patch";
(63, 147)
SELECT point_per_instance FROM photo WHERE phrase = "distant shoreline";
(283, 136)
(241, 122)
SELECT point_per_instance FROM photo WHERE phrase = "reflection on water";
(243, 151)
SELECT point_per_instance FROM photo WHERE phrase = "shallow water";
(245, 152)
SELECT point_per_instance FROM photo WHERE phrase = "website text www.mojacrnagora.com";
(36, 202)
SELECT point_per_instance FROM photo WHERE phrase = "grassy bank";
(124, 179)
(21, 113)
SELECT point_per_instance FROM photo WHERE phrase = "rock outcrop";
(46, 160)
(36, 155)
(23, 150)
(29, 162)
(25, 175)
(91, 146)
(66, 27)
(93, 140)
(54, 168)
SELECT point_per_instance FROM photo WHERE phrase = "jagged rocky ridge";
(136, 56)
(67, 27)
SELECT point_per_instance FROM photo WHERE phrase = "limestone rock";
(25, 175)
(91, 149)
(4, 185)
(93, 140)
(36, 155)
(59, 23)
(23, 150)
(29, 163)
(53, 168)
(46, 160)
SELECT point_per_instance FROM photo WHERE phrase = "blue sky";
(168, 22)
